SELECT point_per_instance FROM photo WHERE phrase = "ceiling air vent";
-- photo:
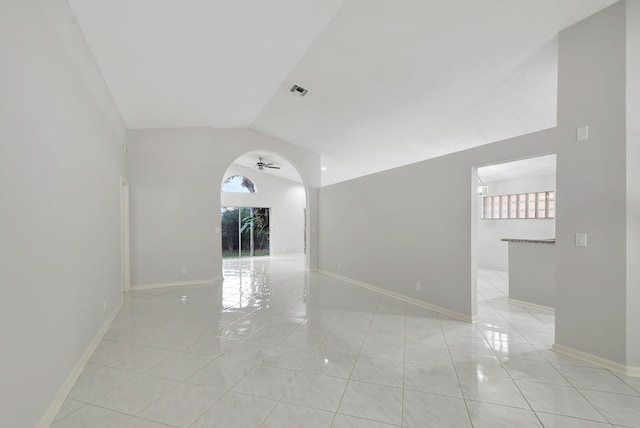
(298, 90)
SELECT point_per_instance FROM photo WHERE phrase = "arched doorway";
(263, 207)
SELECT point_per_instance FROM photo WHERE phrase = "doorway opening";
(263, 209)
(513, 211)
(245, 232)
(263, 193)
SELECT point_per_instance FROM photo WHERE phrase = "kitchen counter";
(531, 241)
(532, 271)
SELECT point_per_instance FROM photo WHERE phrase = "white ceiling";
(525, 168)
(390, 82)
(178, 63)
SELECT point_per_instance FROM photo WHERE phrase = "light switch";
(582, 133)
(581, 239)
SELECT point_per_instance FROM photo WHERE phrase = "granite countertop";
(531, 241)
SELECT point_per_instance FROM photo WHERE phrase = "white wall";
(633, 182)
(61, 157)
(492, 252)
(591, 178)
(411, 224)
(286, 200)
(414, 223)
(175, 182)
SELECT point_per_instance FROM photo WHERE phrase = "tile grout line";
(518, 387)
(354, 367)
(455, 370)
(558, 371)
(523, 323)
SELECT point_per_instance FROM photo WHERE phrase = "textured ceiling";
(390, 82)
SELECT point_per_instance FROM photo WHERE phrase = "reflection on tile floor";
(274, 346)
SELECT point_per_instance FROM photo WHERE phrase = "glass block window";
(516, 206)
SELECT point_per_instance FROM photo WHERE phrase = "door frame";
(125, 255)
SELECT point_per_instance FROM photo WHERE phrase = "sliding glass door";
(245, 232)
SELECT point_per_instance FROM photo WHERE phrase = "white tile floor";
(276, 347)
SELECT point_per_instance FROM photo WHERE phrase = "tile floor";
(274, 346)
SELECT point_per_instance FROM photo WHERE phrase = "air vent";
(298, 90)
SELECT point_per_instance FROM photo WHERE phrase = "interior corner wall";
(61, 158)
(633, 183)
(591, 302)
(286, 200)
(174, 184)
(493, 254)
(413, 224)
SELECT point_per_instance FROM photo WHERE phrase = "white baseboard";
(598, 361)
(173, 284)
(421, 303)
(54, 408)
(531, 305)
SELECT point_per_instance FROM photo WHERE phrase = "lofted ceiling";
(180, 63)
(390, 82)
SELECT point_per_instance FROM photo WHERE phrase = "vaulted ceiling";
(390, 82)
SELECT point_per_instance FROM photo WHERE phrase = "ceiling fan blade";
(262, 165)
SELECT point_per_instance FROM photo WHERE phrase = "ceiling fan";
(262, 165)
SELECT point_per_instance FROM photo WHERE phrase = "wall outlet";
(183, 271)
(418, 286)
(339, 266)
(104, 306)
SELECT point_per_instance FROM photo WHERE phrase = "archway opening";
(263, 207)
